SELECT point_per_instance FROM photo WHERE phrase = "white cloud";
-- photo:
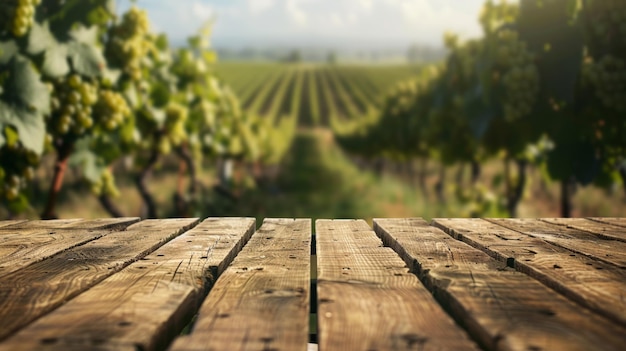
(296, 14)
(258, 6)
(366, 5)
(298, 22)
(336, 20)
(201, 10)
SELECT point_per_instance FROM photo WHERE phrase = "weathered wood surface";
(620, 222)
(25, 243)
(368, 299)
(113, 284)
(40, 287)
(594, 284)
(146, 304)
(599, 228)
(505, 309)
(261, 302)
(582, 242)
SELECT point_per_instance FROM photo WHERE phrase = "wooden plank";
(145, 305)
(503, 308)
(36, 289)
(584, 243)
(603, 230)
(368, 299)
(261, 302)
(32, 242)
(11, 222)
(42, 224)
(596, 285)
(620, 222)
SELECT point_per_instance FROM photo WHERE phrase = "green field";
(314, 94)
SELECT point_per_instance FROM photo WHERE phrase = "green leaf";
(160, 94)
(11, 136)
(24, 87)
(86, 59)
(55, 62)
(86, 35)
(30, 126)
(40, 39)
(8, 49)
(73, 12)
(88, 162)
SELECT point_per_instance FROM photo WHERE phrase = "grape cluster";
(105, 185)
(518, 74)
(111, 109)
(72, 102)
(174, 129)
(129, 43)
(17, 167)
(17, 15)
(608, 77)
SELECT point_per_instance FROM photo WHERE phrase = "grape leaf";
(88, 162)
(73, 12)
(80, 47)
(86, 35)
(86, 59)
(24, 88)
(8, 49)
(40, 39)
(55, 62)
(30, 126)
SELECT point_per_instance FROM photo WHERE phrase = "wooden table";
(219, 284)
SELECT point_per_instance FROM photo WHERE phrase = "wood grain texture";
(23, 244)
(620, 222)
(43, 286)
(582, 242)
(368, 299)
(146, 304)
(596, 285)
(11, 222)
(39, 224)
(261, 301)
(504, 309)
(603, 230)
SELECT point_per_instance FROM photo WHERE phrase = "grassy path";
(318, 180)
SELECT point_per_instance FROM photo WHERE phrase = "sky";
(315, 23)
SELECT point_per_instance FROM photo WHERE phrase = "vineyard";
(98, 101)
(315, 95)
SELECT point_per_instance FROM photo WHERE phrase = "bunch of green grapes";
(17, 15)
(606, 21)
(130, 42)
(71, 103)
(174, 128)
(111, 109)
(17, 166)
(105, 185)
(518, 75)
(608, 77)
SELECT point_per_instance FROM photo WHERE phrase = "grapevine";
(608, 77)
(519, 75)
